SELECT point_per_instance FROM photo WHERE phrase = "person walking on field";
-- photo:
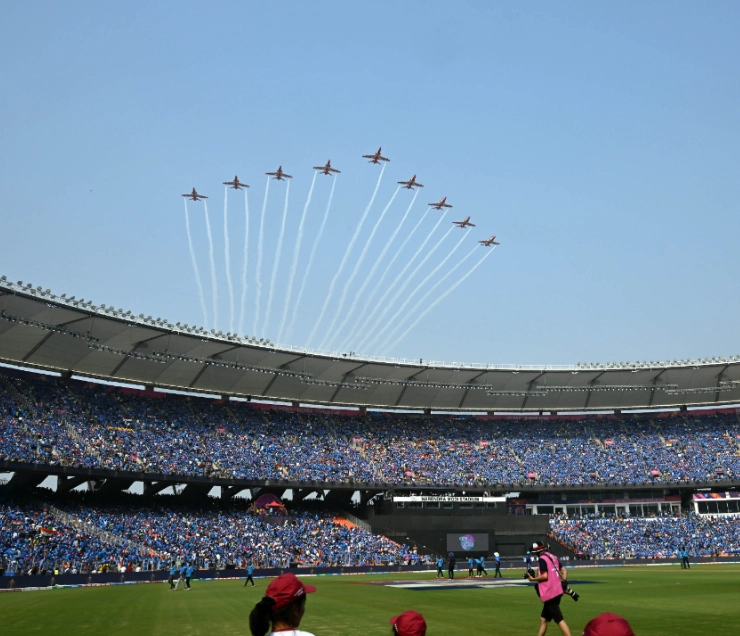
(188, 576)
(497, 574)
(549, 588)
(440, 565)
(250, 571)
(471, 560)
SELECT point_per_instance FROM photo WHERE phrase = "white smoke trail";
(311, 258)
(394, 319)
(379, 323)
(375, 266)
(258, 272)
(195, 267)
(368, 324)
(276, 262)
(369, 298)
(227, 258)
(244, 264)
(343, 298)
(214, 282)
(344, 258)
(438, 299)
(294, 264)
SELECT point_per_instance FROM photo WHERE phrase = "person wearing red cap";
(282, 607)
(549, 588)
(410, 623)
(608, 624)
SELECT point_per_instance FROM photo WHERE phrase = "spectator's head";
(410, 623)
(608, 624)
(282, 607)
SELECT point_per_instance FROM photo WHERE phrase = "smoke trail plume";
(258, 272)
(394, 319)
(366, 326)
(195, 267)
(311, 258)
(294, 264)
(439, 299)
(244, 264)
(373, 293)
(227, 258)
(379, 325)
(344, 259)
(214, 282)
(342, 299)
(276, 262)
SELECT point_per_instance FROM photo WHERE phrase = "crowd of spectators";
(655, 537)
(84, 538)
(51, 420)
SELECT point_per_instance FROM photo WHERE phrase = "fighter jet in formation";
(411, 183)
(375, 158)
(279, 175)
(195, 196)
(236, 184)
(465, 223)
(327, 169)
(440, 204)
(489, 242)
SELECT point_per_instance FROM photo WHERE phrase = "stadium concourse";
(56, 421)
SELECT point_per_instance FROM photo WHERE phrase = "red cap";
(287, 589)
(410, 623)
(608, 624)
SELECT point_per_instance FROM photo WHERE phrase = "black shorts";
(551, 610)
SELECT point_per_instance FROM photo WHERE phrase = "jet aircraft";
(465, 223)
(279, 175)
(327, 169)
(376, 158)
(236, 184)
(411, 183)
(440, 204)
(195, 196)
(489, 242)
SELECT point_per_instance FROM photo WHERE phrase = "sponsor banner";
(703, 496)
(443, 498)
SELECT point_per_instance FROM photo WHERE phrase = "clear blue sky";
(598, 141)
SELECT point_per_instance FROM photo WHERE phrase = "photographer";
(549, 588)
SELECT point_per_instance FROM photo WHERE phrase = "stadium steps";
(329, 427)
(103, 535)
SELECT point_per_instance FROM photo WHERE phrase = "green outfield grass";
(656, 601)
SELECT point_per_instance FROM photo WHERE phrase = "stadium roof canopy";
(39, 329)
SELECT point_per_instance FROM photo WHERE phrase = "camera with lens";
(528, 573)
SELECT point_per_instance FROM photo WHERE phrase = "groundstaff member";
(282, 607)
(549, 588)
(250, 572)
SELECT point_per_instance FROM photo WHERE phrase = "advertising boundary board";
(27, 583)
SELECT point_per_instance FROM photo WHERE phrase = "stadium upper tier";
(48, 420)
(69, 336)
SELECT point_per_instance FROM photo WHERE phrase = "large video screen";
(467, 542)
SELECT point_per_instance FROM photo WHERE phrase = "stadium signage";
(443, 498)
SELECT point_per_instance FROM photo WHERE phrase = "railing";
(356, 521)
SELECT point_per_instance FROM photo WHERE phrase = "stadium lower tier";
(36, 538)
(656, 537)
(44, 419)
